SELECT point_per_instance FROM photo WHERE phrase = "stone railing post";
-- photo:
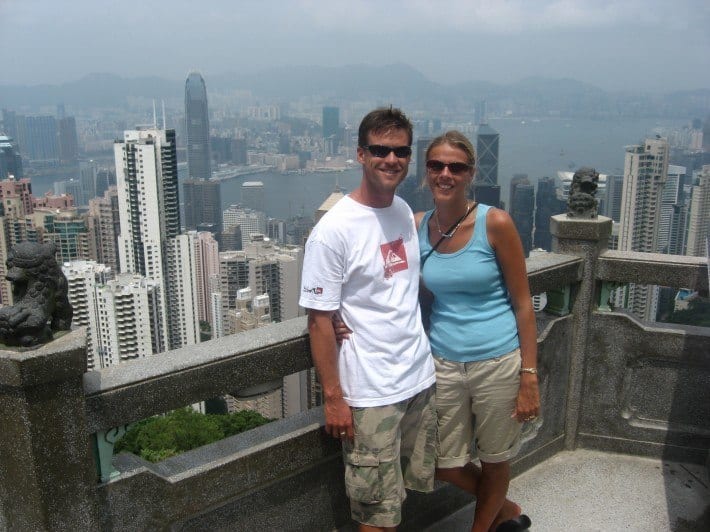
(585, 238)
(47, 472)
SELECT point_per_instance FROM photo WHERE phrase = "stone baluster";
(585, 238)
(47, 472)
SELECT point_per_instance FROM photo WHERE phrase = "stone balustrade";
(607, 382)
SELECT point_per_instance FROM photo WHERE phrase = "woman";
(482, 333)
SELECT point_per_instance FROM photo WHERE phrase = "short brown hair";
(383, 120)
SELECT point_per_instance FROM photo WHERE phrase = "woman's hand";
(527, 405)
(342, 331)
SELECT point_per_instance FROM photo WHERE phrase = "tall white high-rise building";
(645, 173)
(699, 215)
(128, 318)
(83, 278)
(183, 283)
(149, 242)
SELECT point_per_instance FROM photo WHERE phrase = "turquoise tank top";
(472, 317)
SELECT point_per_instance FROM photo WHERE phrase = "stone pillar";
(585, 238)
(47, 473)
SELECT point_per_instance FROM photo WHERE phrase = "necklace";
(452, 230)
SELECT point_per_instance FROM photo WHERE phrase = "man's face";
(381, 175)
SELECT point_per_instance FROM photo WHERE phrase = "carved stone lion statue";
(581, 202)
(39, 292)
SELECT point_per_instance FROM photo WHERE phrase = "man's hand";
(338, 419)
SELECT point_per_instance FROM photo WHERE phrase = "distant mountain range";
(399, 83)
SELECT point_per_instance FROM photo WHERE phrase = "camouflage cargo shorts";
(394, 449)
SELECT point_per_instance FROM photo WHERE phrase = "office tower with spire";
(486, 189)
(197, 128)
(201, 196)
(645, 173)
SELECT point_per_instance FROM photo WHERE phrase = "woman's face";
(448, 173)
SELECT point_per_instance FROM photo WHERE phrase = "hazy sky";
(635, 44)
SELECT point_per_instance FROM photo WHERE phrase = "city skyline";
(602, 43)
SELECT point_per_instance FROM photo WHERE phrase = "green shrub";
(161, 437)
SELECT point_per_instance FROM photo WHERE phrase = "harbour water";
(534, 147)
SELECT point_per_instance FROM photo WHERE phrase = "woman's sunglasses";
(437, 167)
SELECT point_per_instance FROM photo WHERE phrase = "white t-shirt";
(364, 262)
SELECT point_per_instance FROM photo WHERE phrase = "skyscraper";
(146, 167)
(67, 139)
(522, 207)
(37, 137)
(670, 240)
(105, 226)
(614, 188)
(331, 129)
(197, 128)
(128, 310)
(699, 216)
(206, 272)
(10, 158)
(202, 201)
(645, 173)
(487, 141)
(253, 195)
(546, 205)
(411, 190)
(486, 189)
(83, 279)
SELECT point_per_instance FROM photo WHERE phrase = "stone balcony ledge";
(608, 383)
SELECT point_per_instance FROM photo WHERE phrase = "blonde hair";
(457, 140)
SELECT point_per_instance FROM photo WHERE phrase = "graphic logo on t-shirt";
(316, 290)
(395, 257)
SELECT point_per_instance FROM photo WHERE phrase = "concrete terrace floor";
(594, 491)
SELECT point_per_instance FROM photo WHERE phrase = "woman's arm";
(508, 248)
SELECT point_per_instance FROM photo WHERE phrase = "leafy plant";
(161, 437)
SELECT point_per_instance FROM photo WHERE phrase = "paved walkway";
(592, 491)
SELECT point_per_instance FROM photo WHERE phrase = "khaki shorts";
(394, 448)
(474, 402)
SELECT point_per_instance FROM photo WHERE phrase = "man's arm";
(338, 416)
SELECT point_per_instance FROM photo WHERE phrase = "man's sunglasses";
(437, 167)
(377, 150)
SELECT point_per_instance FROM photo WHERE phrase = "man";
(362, 261)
